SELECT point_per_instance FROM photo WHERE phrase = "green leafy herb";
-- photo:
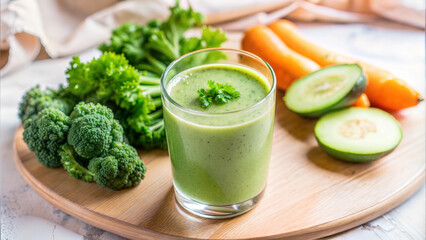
(133, 96)
(217, 93)
(153, 46)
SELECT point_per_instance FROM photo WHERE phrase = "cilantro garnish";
(217, 93)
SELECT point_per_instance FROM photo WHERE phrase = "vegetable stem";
(157, 102)
(157, 65)
(151, 90)
(157, 125)
(156, 114)
(146, 80)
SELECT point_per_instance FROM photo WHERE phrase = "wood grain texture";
(309, 194)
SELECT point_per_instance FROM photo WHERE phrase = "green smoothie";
(220, 155)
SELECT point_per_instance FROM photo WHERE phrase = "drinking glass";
(219, 160)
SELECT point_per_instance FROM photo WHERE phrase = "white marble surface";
(25, 215)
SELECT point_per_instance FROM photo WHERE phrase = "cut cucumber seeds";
(358, 134)
(326, 90)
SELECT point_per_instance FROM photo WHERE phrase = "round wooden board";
(309, 194)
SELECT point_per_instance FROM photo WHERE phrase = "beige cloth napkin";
(67, 27)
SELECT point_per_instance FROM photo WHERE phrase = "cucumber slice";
(358, 134)
(325, 90)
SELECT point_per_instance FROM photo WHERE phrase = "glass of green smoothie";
(220, 153)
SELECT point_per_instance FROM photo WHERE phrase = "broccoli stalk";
(66, 153)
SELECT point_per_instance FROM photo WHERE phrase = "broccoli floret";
(83, 109)
(120, 169)
(44, 133)
(35, 100)
(93, 129)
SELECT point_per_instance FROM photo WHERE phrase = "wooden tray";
(309, 194)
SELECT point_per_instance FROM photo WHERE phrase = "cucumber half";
(358, 134)
(327, 89)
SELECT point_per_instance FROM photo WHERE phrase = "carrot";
(384, 90)
(362, 101)
(288, 64)
(287, 31)
(284, 80)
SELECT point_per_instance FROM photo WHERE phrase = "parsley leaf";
(153, 46)
(217, 93)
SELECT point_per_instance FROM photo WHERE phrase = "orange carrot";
(287, 31)
(284, 80)
(362, 101)
(384, 90)
(288, 64)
